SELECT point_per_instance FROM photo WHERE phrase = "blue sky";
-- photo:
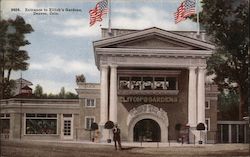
(61, 45)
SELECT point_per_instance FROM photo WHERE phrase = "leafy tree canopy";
(227, 24)
(12, 57)
(38, 93)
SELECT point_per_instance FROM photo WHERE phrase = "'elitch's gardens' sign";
(148, 99)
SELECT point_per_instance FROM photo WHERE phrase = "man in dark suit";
(117, 137)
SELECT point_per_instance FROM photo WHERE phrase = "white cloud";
(78, 28)
(143, 17)
(57, 63)
(124, 11)
(126, 18)
(75, 22)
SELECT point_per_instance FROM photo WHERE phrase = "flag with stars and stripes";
(186, 9)
(97, 13)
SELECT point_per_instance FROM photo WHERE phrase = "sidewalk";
(129, 144)
(31, 148)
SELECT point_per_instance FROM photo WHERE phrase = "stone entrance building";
(152, 85)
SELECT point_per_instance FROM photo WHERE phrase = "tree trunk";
(2, 78)
(8, 76)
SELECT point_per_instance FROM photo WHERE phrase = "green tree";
(227, 105)
(9, 85)
(12, 57)
(227, 24)
(70, 95)
(38, 92)
(62, 93)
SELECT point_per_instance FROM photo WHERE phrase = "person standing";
(117, 137)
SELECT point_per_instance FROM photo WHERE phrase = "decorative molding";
(147, 92)
(82, 85)
(123, 72)
(154, 61)
(147, 109)
(153, 52)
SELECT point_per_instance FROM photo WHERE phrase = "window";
(88, 122)
(90, 102)
(41, 123)
(124, 83)
(171, 83)
(147, 83)
(207, 104)
(207, 121)
(5, 123)
(136, 83)
(159, 83)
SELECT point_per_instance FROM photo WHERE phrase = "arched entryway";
(144, 114)
(147, 130)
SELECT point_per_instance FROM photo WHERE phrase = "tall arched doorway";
(147, 130)
(156, 117)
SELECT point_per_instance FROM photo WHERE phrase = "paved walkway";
(40, 148)
(131, 144)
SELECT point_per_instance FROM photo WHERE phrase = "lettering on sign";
(149, 99)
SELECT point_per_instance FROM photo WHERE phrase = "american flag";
(186, 9)
(98, 12)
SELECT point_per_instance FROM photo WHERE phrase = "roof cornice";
(153, 31)
(156, 52)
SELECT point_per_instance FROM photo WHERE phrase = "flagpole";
(109, 25)
(197, 14)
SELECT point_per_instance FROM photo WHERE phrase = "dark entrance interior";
(147, 130)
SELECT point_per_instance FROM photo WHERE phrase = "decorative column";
(113, 94)
(193, 134)
(201, 95)
(201, 100)
(192, 97)
(104, 95)
(104, 135)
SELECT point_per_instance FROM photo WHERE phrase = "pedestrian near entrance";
(117, 137)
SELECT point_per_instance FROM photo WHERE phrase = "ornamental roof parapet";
(83, 85)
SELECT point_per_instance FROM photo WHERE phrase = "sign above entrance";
(149, 99)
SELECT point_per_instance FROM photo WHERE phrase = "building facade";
(39, 119)
(152, 84)
(153, 81)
